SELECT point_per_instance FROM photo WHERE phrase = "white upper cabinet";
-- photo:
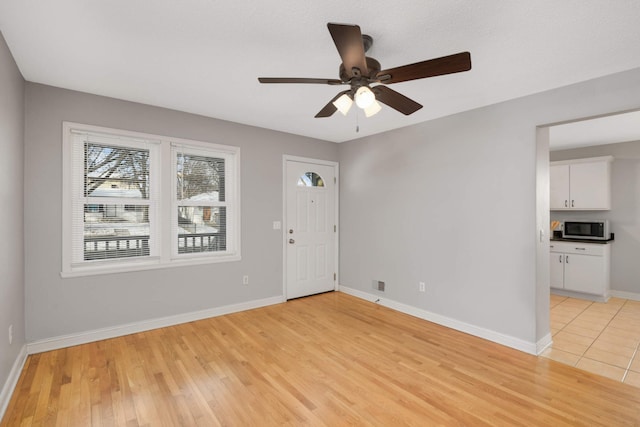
(583, 184)
(559, 179)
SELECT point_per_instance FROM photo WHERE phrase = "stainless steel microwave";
(583, 229)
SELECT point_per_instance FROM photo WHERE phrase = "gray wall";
(452, 202)
(58, 306)
(625, 210)
(11, 213)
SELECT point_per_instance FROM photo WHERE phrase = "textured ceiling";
(204, 56)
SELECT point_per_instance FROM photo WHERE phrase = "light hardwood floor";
(331, 359)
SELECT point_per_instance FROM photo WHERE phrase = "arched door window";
(310, 179)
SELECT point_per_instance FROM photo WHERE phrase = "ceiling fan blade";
(329, 109)
(433, 67)
(348, 40)
(396, 100)
(299, 80)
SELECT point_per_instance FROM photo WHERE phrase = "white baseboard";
(497, 337)
(626, 295)
(12, 380)
(145, 325)
(581, 295)
(544, 343)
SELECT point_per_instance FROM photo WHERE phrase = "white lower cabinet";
(556, 265)
(580, 267)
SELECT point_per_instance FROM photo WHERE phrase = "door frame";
(336, 169)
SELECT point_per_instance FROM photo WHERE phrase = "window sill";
(96, 270)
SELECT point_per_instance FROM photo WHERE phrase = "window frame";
(162, 210)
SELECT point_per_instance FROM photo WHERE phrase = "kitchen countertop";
(597, 242)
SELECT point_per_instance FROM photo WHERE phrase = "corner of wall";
(12, 380)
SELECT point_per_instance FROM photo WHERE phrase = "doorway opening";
(585, 332)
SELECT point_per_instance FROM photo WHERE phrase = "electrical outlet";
(245, 280)
(10, 334)
(421, 287)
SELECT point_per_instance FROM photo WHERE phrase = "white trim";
(96, 270)
(336, 173)
(12, 380)
(287, 157)
(544, 343)
(67, 178)
(634, 296)
(584, 160)
(336, 170)
(145, 325)
(487, 334)
(581, 295)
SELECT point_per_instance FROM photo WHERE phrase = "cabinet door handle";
(566, 259)
(566, 204)
(572, 203)
(560, 259)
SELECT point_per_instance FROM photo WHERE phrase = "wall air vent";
(378, 285)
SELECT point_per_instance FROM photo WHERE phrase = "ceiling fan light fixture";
(372, 109)
(364, 97)
(343, 104)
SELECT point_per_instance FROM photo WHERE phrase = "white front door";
(310, 228)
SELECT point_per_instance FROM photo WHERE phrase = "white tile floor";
(602, 338)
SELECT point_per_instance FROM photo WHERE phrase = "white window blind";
(114, 201)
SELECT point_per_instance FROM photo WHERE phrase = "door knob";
(291, 231)
(292, 241)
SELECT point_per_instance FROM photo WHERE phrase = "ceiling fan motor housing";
(367, 42)
(360, 80)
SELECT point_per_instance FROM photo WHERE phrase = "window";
(135, 201)
(310, 179)
(201, 202)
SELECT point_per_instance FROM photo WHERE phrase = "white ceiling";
(600, 131)
(204, 56)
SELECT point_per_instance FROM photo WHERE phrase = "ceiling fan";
(360, 72)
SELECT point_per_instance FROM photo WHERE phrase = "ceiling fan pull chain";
(357, 123)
